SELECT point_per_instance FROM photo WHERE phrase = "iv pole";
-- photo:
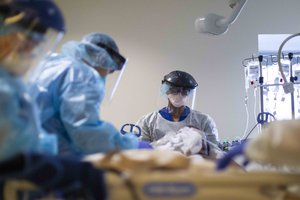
(261, 82)
(292, 81)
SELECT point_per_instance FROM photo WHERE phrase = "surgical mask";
(103, 78)
(178, 100)
(7, 45)
(101, 90)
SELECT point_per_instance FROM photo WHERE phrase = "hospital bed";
(166, 175)
(169, 175)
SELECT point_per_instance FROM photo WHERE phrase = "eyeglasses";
(120, 60)
(177, 90)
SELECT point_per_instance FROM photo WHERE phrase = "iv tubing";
(279, 55)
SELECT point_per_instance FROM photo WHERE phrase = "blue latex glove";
(129, 141)
(144, 145)
(232, 153)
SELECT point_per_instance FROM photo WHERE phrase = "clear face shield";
(114, 66)
(115, 81)
(176, 97)
(23, 46)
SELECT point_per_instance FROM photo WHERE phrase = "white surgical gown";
(154, 126)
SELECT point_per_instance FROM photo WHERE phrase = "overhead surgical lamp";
(216, 24)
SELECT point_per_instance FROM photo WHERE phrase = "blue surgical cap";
(100, 38)
(93, 51)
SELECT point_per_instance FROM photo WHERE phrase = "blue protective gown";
(68, 93)
(18, 126)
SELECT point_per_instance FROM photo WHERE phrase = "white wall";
(158, 36)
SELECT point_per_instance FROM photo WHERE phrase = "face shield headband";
(118, 58)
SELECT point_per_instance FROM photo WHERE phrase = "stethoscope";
(133, 128)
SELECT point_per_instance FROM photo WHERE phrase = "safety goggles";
(179, 90)
(120, 60)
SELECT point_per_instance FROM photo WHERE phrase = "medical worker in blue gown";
(177, 88)
(69, 88)
(28, 30)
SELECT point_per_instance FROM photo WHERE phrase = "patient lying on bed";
(188, 141)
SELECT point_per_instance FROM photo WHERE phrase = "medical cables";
(262, 118)
(247, 114)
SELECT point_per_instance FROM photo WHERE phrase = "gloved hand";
(232, 153)
(144, 145)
